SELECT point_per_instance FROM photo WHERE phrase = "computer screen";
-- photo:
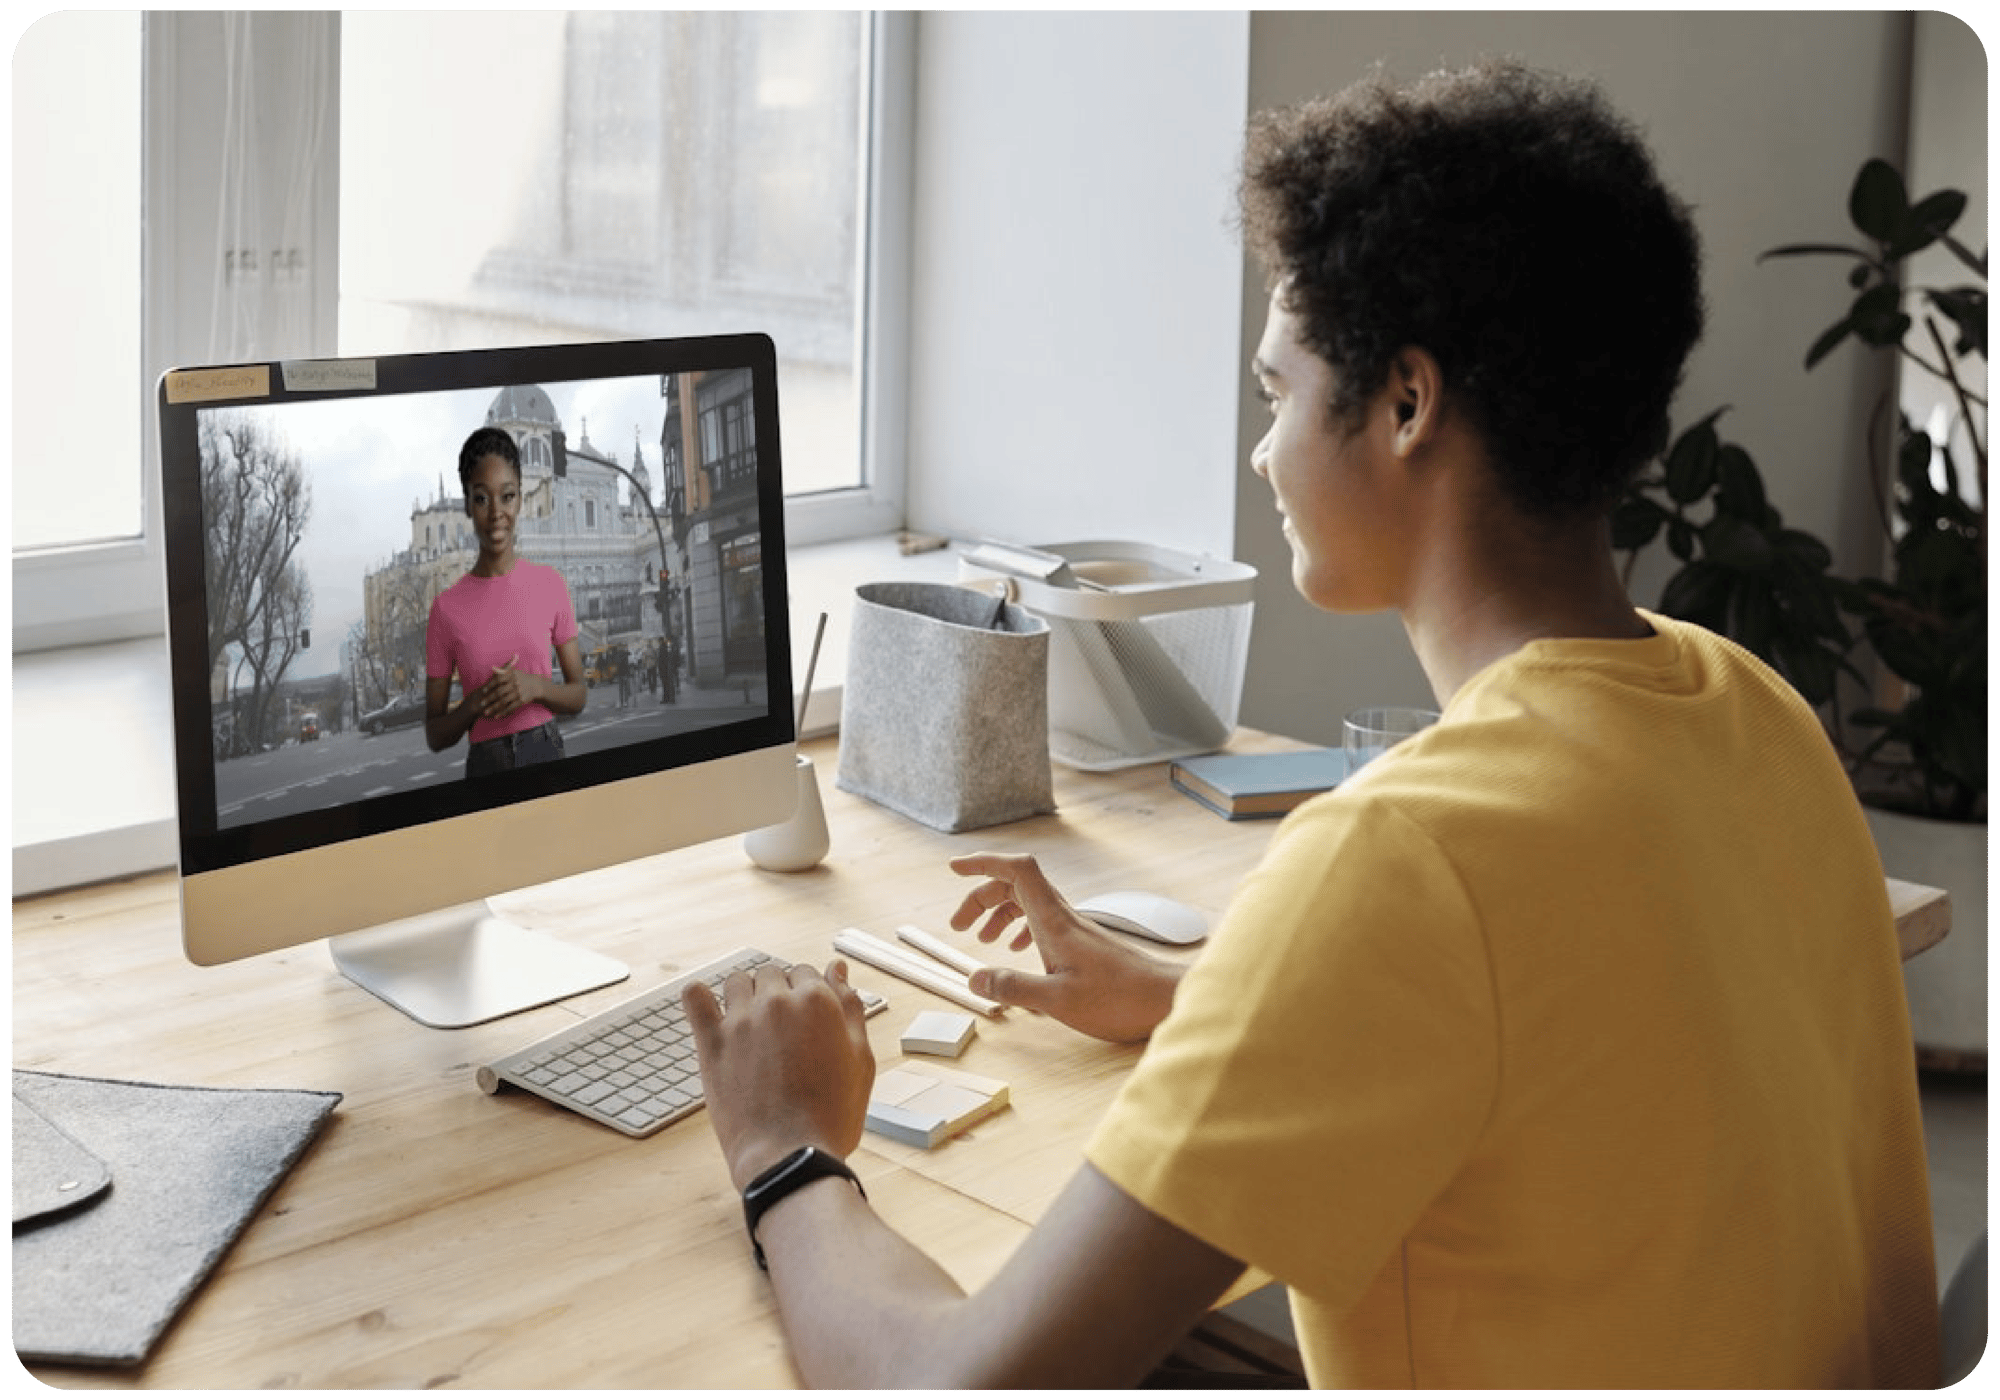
(315, 515)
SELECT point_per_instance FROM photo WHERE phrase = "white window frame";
(99, 593)
(877, 507)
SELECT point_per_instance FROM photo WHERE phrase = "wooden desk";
(1923, 916)
(436, 1236)
(433, 1235)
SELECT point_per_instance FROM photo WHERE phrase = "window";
(612, 174)
(82, 548)
(67, 308)
(636, 173)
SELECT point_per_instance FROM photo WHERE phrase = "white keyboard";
(631, 1067)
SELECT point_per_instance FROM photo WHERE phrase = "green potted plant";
(1916, 747)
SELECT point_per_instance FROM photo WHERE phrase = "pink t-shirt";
(479, 624)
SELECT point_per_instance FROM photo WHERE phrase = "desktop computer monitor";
(314, 512)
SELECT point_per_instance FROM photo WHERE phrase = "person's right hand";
(785, 1065)
(1091, 981)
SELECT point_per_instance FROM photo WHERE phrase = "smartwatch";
(773, 1184)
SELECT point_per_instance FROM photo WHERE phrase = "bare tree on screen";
(255, 502)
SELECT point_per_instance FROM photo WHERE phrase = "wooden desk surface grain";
(435, 1236)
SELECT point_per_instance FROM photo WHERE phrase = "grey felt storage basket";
(944, 715)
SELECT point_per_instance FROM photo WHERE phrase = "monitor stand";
(464, 965)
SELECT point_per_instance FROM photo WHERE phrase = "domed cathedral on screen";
(661, 555)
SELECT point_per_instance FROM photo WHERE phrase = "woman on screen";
(496, 628)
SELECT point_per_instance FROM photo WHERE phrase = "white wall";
(1075, 300)
(1760, 121)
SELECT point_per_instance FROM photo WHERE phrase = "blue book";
(1248, 785)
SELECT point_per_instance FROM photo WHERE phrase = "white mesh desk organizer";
(1147, 645)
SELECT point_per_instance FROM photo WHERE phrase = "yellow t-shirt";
(1565, 1045)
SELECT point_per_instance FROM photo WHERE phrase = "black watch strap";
(775, 1183)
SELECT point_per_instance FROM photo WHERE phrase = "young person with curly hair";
(1563, 1046)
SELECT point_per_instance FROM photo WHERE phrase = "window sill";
(93, 764)
(93, 726)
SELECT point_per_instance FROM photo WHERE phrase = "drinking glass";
(1369, 733)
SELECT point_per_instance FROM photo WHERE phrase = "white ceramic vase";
(1946, 983)
(801, 842)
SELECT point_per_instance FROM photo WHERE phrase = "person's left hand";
(505, 691)
(787, 1065)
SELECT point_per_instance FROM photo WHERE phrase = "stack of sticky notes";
(944, 1033)
(925, 1104)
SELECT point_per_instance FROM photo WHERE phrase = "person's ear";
(1416, 397)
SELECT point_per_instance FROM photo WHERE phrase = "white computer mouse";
(1151, 916)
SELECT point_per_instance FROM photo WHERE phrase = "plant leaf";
(1635, 522)
(1927, 222)
(1877, 315)
(1828, 338)
(1793, 250)
(1811, 670)
(1713, 416)
(1753, 617)
(1903, 651)
(1852, 596)
(1699, 593)
(1738, 487)
(1690, 466)
(1809, 601)
(1967, 308)
(1736, 544)
(1680, 539)
(1879, 204)
(1809, 550)
(1913, 467)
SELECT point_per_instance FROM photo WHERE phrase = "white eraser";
(944, 1033)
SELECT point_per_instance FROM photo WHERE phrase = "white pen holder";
(799, 843)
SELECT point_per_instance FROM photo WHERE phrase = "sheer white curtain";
(275, 149)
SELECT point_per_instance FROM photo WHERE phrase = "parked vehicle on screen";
(404, 709)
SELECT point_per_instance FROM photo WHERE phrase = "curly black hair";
(1509, 222)
(487, 442)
